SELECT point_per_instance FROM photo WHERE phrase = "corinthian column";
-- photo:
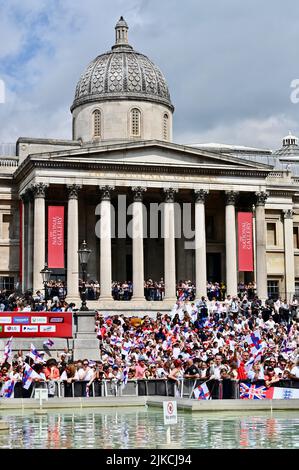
(73, 243)
(230, 243)
(261, 259)
(137, 234)
(169, 246)
(200, 243)
(39, 192)
(105, 241)
(289, 254)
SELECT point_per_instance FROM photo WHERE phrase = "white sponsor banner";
(29, 329)
(12, 328)
(47, 329)
(39, 319)
(5, 320)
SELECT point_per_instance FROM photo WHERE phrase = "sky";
(229, 64)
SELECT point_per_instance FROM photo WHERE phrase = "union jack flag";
(8, 349)
(7, 389)
(252, 392)
(48, 343)
(34, 354)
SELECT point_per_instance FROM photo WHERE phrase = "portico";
(143, 220)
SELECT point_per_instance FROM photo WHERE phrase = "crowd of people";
(123, 290)
(236, 338)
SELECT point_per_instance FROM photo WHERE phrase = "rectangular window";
(6, 226)
(7, 283)
(297, 289)
(296, 237)
(271, 234)
(273, 289)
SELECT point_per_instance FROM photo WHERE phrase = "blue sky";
(229, 64)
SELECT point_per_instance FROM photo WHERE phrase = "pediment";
(153, 153)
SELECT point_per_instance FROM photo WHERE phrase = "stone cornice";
(144, 168)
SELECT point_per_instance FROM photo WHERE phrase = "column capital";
(261, 197)
(39, 190)
(288, 213)
(200, 195)
(231, 197)
(73, 190)
(169, 194)
(106, 192)
(138, 193)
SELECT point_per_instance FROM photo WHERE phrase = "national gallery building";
(146, 206)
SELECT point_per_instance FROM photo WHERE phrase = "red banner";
(245, 241)
(36, 324)
(56, 237)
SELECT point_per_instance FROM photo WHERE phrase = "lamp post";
(46, 275)
(84, 254)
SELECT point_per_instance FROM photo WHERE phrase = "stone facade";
(92, 174)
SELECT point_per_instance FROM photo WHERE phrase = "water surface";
(144, 428)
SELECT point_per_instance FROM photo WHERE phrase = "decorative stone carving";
(169, 194)
(261, 197)
(39, 190)
(138, 193)
(288, 213)
(73, 191)
(106, 192)
(201, 195)
(231, 197)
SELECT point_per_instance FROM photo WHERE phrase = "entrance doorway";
(214, 267)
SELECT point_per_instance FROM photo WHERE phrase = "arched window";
(165, 127)
(135, 122)
(97, 123)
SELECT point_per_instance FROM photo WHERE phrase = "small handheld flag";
(7, 389)
(28, 375)
(202, 392)
(34, 354)
(8, 350)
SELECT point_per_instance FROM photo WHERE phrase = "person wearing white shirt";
(295, 370)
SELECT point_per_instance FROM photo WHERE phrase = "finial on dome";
(121, 33)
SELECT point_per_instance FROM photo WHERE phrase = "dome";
(122, 74)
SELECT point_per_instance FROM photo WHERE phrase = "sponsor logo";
(20, 320)
(30, 329)
(5, 320)
(56, 320)
(12, 329)
(47, 329)
(38, 319)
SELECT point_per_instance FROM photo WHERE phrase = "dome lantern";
(289, 140)
(121, 34)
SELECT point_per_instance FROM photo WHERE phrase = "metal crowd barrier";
(184, 388)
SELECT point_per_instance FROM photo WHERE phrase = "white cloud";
(229, 77)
